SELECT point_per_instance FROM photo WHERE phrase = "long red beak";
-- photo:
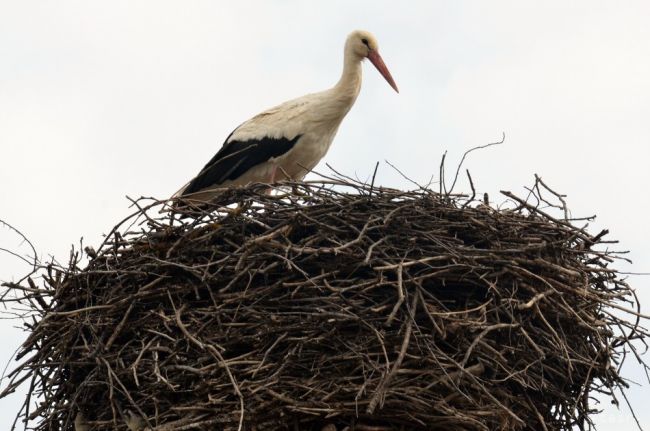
(376, 59)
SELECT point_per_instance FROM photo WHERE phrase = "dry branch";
(337, 305)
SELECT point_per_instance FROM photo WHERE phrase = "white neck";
(349, 85)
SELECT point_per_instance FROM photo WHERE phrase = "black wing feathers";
(237, 157)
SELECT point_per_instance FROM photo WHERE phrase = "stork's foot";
(298, 191)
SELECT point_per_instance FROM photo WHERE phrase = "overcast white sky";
(99, 100)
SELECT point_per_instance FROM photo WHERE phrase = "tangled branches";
(330, 307)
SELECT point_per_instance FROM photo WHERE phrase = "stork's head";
(362, 44)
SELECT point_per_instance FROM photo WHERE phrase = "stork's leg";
(274, 172)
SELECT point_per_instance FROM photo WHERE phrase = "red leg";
(272, 179)
(273, 174)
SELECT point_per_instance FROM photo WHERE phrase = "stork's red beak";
(376, 59)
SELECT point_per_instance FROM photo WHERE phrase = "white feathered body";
(287, 141)
(315, 117)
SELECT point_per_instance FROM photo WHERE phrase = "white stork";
(287, 141)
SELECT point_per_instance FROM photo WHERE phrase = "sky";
(100, 100)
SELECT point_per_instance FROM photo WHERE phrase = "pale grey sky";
(99, 100)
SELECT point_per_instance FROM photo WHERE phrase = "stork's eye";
(365, 41)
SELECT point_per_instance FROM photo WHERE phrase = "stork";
(287, 141)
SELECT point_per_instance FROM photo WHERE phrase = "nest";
(330, 307)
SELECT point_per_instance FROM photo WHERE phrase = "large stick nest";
(330, 307)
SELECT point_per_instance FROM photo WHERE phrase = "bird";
(288, 140)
